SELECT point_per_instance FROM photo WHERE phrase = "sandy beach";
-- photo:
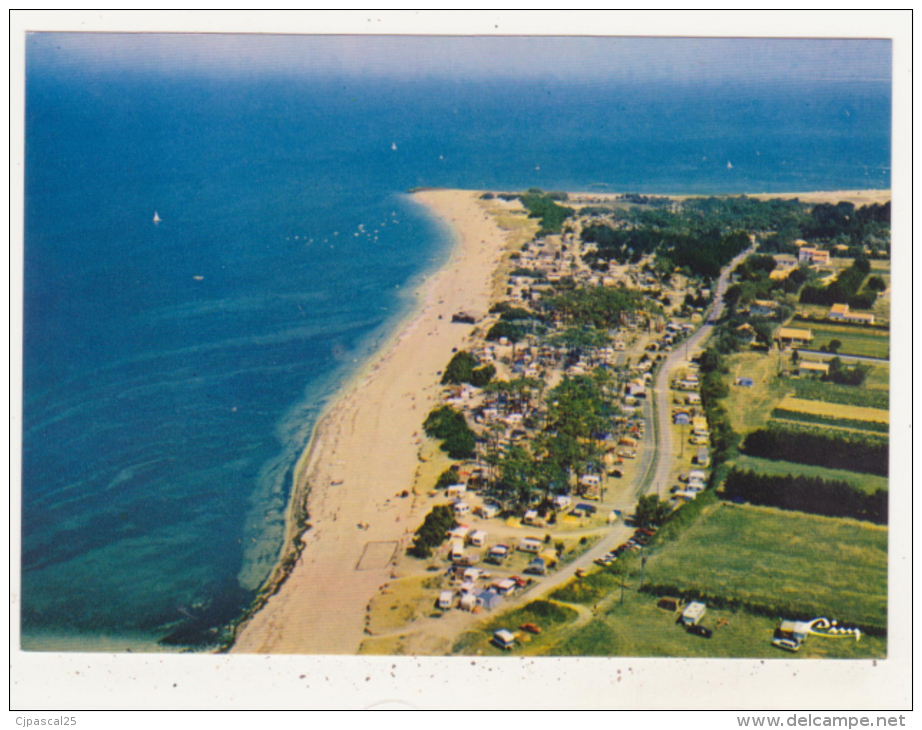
(365, 453)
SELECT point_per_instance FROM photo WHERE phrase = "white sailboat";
(156, 217)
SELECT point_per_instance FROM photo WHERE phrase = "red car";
(530, 628)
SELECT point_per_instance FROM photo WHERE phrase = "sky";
(588, 59)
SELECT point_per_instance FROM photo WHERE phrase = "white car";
(786, 644)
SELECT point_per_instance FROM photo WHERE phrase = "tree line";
(834, 451)
(807, 494)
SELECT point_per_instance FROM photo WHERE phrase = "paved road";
(663, 416)
(844, 358)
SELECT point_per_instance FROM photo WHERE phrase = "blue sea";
(173, 371)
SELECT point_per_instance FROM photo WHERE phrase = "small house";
(838, 312)
(806, 367)
(763, 308)
(693, 613)
(793, 336)
(812, 255)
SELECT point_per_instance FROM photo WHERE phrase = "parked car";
(530, 628)
(699, 630)
(786, 644)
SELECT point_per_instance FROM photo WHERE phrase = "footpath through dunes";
(364, 455)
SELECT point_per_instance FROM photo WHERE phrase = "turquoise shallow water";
(173, 371)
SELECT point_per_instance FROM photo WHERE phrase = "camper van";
(693, 613)
(457, 550)
(477, 538)
(498, 554)
(461, 508)
(530, 545)
(487, 511)
(445, 600)
(504, 639)
(455, 490)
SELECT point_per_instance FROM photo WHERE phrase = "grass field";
(868, 483)
(834, 410)
(815, 389)
(638, 628)
(545, 614)
(751, 408)
(781, 561)
(855, 340)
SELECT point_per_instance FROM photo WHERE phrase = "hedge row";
(817, 418)
(852, 452)
(807, 494)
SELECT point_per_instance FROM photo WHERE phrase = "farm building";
(763, 308)
(793, 336)
(806, 367)
(812, 255)
(841, 313)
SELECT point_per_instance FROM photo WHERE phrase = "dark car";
(699, 630)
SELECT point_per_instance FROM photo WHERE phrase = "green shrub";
(433, 531)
